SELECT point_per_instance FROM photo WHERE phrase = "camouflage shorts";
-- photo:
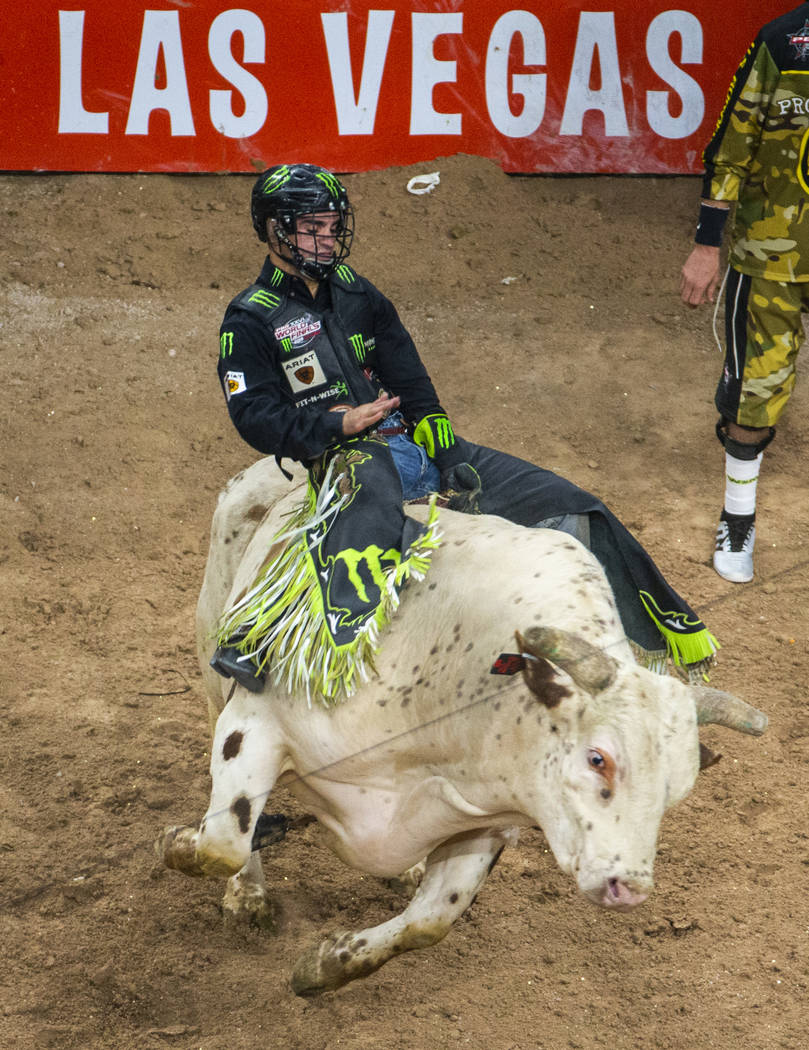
(763, 334)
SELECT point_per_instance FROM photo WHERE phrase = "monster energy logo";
(226, 344)
(432, 430)
(286, 345)
(331, 182)
(275, 180)
(277, 277)
(345, 273)
(372, 556)
(358, 346)
(443, 432)
(264, 299)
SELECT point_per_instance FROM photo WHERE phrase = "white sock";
(741, 479)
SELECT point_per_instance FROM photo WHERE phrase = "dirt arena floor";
(547, 312)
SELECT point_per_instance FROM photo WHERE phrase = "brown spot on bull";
(453, 897)
(541, 680)
(256, 512)
(606, 793)
(241, 810)
(232, 745)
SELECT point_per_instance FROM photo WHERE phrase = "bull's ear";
(707, 758)
(590, 668)
(540, 676)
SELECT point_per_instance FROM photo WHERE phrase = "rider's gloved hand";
(461, 483)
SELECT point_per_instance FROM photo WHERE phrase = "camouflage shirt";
(759, 153)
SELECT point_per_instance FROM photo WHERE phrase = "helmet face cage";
(287, 192)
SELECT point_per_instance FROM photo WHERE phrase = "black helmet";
(287, 191)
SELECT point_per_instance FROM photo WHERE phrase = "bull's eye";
(602, 763)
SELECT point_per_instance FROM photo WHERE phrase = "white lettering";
(356, 115)
(596, 33)
(528, 86)
(658, 110)
(784, 104)
(798, 104)
(161, 31)
(427, 71)
(74, 119)
(220, 40)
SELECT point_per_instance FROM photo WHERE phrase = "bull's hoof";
(177, 848)
(248, 905)
(329, 965)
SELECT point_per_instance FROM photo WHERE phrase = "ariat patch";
(234, 384)
(295, 335)
(304, 372)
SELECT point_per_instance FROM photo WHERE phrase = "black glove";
(461, 484)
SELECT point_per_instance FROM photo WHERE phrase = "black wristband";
(711, 225)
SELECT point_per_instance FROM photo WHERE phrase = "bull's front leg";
(454, 874)
(245, 759)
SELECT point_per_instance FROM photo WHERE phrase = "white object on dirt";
(424, 183)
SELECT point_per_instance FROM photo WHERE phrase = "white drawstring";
(716, 309)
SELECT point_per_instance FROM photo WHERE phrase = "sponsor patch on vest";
(234, 384)
(800, 41)
(296, 334)
(304, 372)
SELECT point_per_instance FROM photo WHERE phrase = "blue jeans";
(418, 474)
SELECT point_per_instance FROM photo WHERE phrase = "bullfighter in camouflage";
(757, 158)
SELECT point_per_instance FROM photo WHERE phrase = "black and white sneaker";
(735, 538)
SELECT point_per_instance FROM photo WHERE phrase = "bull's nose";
(622, 895)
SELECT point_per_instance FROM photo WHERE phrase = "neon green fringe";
(693, 650)
(281, 621)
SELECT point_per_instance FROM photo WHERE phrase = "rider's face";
(316, 234)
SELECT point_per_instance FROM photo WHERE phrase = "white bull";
(437, 757)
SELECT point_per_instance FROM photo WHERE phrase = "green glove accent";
(434, 433)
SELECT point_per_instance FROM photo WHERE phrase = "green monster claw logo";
(331, 182)
(276, 180)
(264, 299)
(434, 430)
(358, 346)
(444, 432)
(345, 273)
(277, 277)
(226, 344)
(373, 556)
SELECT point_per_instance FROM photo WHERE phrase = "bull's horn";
(715, 707)
(590, 668)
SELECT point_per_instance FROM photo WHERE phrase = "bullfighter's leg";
(455, 872)
(244, 766)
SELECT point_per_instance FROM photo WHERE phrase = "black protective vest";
(319, 354)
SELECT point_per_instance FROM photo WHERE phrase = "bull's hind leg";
(454, 874)
(245, 759)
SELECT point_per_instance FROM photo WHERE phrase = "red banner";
(198, 85)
